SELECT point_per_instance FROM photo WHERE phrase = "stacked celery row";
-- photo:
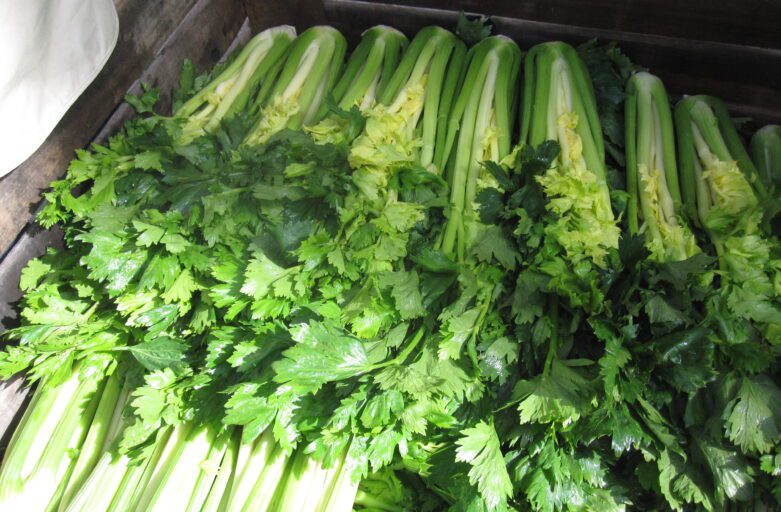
(766, 153)
(325, 285)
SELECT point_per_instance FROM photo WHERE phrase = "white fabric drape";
(50, 51)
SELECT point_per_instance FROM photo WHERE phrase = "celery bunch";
(722, 193)
(297, 98)
(408, 121)
(717, 175)
(559, 105)
(480, 130)
(370, 67)
(654, 206)
(765, 149)
(250, 74)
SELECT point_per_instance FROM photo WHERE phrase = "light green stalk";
(559, 104)
(307, 485)
(187, 473)
(651, 171)
(101, 432)
(556, 83)
(259, 468)
(765, 148)
(251, 73)
(481, 121)
(710, 155)
(412, 110)
(186, 439)
(309, 73)
(262, 494)
(117, 480)
(217, 500)
(41, 453)
(370, 67)
(368, 70)
(723, 193)
(345, 488)
(140, 471)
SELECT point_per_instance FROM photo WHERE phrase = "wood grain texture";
(31, 244)
(744, 22)
(302, 14)
(747, 78)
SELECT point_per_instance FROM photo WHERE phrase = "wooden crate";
(730, 49)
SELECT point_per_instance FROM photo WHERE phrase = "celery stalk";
(298, 97)
(217, 499)
(765, 148)
(40, 456)
(559, 104)
(344, 489)
(557, 84)
(652, 175)
(138, 473)
(262, 494)
(368, 70)
(116, 480)
(208, 473)
(724, 194)
(481, 121)
(413, 101)
(111, 399)
(252, 460)
(304, 482)
(187, 447)
(707, 140)
(230, 91)
(370, 67)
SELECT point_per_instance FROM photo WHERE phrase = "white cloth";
(50, 51)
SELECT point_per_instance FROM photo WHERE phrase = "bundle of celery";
(723, 193)
(652, 175)
(766, 153)
(329, 286)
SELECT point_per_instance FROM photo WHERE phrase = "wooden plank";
(210, 30)
(31, 244)
(743, 22)
(747, 78)
(302, 14)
